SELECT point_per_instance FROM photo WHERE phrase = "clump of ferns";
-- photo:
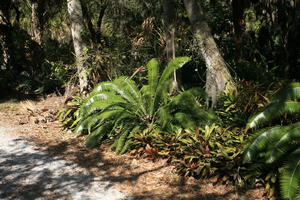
(278, 147)
(119, 109)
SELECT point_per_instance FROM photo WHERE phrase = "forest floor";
(136, 177)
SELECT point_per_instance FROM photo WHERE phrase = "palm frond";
(153, 75)
(292, 91)
(273, 111)
(263, 141)
(290, 178)
(98, 135)
(122, 138)
(163, 83)
(287, 143)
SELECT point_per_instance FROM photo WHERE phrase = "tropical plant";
(68, 115)
(277, 147)
(207, 151)
(119, 109)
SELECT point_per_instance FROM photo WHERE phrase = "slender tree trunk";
(218, 78)
(169, 16)
(4, 45)
(5, 35)
(37, 9)
(75, 12)
(88, 20)
(101, 16)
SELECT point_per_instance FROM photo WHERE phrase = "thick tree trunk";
(75, 12)
(169, 16)
(218, 78)
(37, 9)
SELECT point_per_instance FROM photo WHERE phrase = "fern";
(275, 144)
(273, 111)
(290, 177)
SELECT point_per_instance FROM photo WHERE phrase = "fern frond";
(185, 120)
(98, 135)
(129, 89)
(290, 178)
(129, 141)
(101, 105)
(165, 116)
(273, 111)
(122, 138)
(163, 83)
(101, 118)
(291, 92)
(171, 67)
(153, 75)
(287, 143)
(263, 141)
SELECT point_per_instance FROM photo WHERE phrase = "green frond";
(82, 124)
(290, 178)
(122, 138)
(129, 89)
(98, 135)
(193, 93)
(185, 120)
(287, 143)
(101, 105)
(273, 111)
(291, 92)
(101, 118)
(263, 141)
(171, 67)
(153, 75)
(165, 116)
(163, 83)
(129, 141)
(187, 102)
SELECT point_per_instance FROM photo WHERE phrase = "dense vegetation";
(200, 111)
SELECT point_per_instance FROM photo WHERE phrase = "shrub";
(68, 115)
(119, 109)
(277, 147)
(204, 152)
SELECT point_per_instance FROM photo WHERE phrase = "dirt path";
(78, 169)
(27, 173)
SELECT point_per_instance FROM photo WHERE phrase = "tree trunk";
(37, 9)
(76, 20)
(169, 16)
(218, 78)
(4, 45)
(5, 35)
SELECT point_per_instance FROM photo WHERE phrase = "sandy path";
(27, 173)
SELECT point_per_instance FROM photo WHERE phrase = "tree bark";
(5, 35)
(218, 78)
(37, 10)
(75, 12)
(169, 16)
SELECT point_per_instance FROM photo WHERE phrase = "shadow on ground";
(29, 174)
(118, 169)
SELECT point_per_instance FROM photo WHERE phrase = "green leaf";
(290, 177)
(292, 91)
(274, 111)
(153, 75)
(289, 141)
